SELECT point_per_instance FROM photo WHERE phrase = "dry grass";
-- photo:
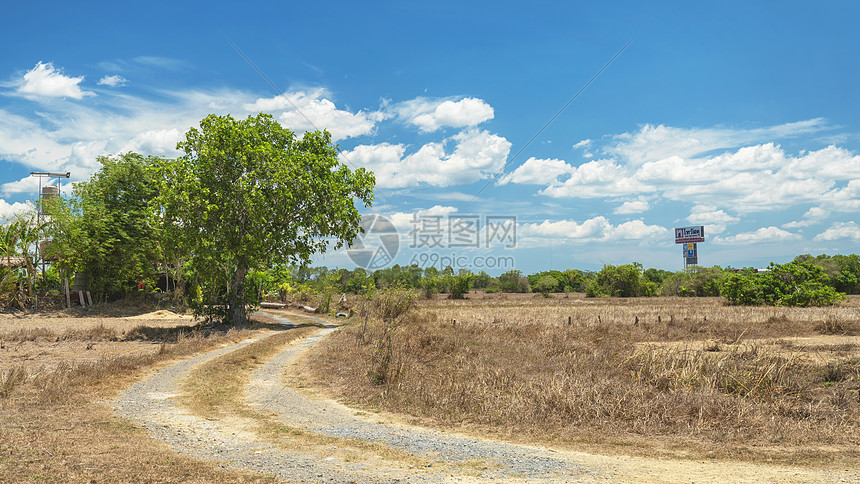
(215, 390)
(54, 425)
(517, 369)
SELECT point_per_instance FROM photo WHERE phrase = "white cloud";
(431, 114)
(477, 155)
(812, 216)
(28, 184)
(310, 110)
(9, 211)
(159, 142)
(707, 214)
(45, 81)
(597, 179)
(113, 81)
(817, 213)
(840, 230)
(406, 221)
(536, 171)
(632, 206)
(762, 235)
(653, 143)
(750, 179)
(592, 230)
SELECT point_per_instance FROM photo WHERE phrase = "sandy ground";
(60, 322)
(54, 350)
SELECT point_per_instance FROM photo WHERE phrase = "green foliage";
(700, 282)
(843, 270)
(247, 194)
(110, 230)
(514, 281)
(793, 284)
(546, 284)
(429, 287)
(570, 280)
(458, 285)
(622, 281)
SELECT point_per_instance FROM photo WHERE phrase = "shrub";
(792, 284)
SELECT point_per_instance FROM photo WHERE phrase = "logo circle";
(376, 246)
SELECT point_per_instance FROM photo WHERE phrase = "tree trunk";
(236, 311)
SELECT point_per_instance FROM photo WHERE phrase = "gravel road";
(456, 458)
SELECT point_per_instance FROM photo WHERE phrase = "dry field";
(674, 377)
(58, 369)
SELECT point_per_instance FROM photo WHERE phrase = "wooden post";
(81, 298)
(66, 288)
(89, 299)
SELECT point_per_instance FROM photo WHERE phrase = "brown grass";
(518, 370)
(54, 425)
(215, 390)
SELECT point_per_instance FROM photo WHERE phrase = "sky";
(528, 135)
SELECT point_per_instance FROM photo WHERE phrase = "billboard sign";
(686, 235)
(691, 253)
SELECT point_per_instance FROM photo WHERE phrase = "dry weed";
(519, 368)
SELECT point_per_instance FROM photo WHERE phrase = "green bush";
(792, 284)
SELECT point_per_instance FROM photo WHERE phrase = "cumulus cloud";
(812, 216)
(656, 142)
(596, 229)
(9, 211)
(597, 179)
(407, 221)
(762, 235)
(840, 231)
(632, 206)
(113, 81)
(311, 110)
(477, 154)
(749, 179)
(159, 142)
(431, 114)
(45, 82)
(536, 171)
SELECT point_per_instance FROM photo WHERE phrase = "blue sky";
(739, 116)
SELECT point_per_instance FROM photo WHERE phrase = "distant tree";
(514, 281)
(546, 285)
(622, 281)
(247, 194)
(793, 284)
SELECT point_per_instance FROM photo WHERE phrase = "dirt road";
(451, 457)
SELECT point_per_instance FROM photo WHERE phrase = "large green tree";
(248, 194)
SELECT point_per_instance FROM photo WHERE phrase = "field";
(673, 377)
(58, 370)
(662, 378)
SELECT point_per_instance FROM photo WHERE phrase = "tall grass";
(522, 370)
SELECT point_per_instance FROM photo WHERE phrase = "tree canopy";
(247, 194)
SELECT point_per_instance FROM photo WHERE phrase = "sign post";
(690, 237)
